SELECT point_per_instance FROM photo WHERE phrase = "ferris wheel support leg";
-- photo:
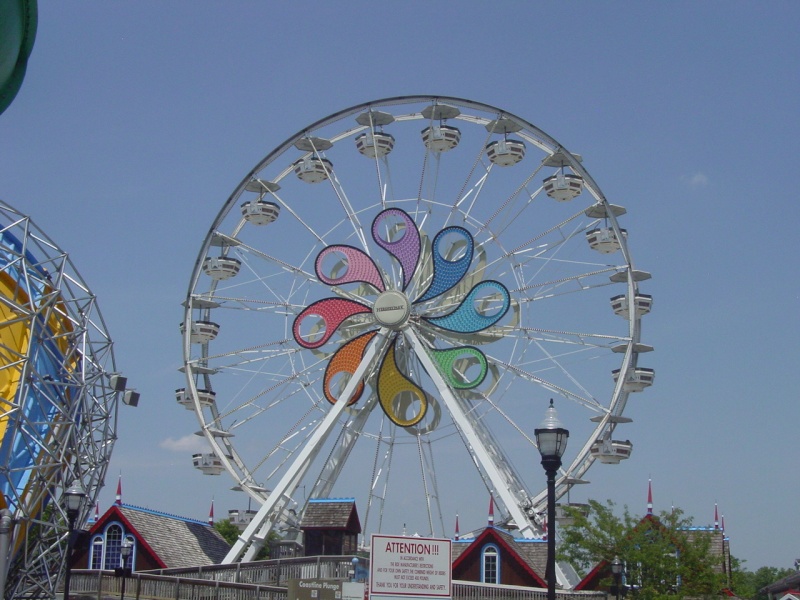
(501, 486)
(252, 538)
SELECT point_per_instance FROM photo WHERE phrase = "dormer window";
(490, 564)
(106, 548)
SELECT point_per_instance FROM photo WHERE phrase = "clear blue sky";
(137, 119)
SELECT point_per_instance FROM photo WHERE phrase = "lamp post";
(125, 551)
(73, 501)
(616, 571)
(551, 437)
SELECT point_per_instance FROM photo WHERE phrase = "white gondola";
(563, 186)
(208, 463)
(642, 304)
(505, 153)
(611, 452)
(312, 169)
(260, 212)
(221, 267)
(241, 518)
(184, 398)
(202, 331)
(377, 144)
(441, 138)
(565, 513)
(604, 240)
(637, 379)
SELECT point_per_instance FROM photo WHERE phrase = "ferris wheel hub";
(392, 309)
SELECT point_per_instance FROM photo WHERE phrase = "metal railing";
(467, 590)
(103, 585)
(267, 580)
(273, 572)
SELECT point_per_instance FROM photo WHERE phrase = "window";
(105, 549)
(490, 564)
(113, 556)
(96, 553)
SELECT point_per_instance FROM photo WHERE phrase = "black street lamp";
(551, 437)
(73, 501)
(616, 571)
(125, 551)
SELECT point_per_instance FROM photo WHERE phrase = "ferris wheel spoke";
(587, 402)
(482, 451)
(348, 436)
(524, 250)
(376, 498)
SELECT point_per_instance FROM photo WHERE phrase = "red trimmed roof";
(493, 535)
(114, 514)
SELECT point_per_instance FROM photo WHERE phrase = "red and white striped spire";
(491, 510)
(118, 500)
(716, 516)
(544, 529)
(211, 514)
(96, 512)
(649, 496)
(457, 532)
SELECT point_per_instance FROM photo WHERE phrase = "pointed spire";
(491, 510)
(96, 512)
(723, 522)
(716, 516)
(118, 500)
(457, 532)
(649, 496)
(211, 514)
(544, 529)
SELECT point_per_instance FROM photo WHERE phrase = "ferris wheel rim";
(224, 448)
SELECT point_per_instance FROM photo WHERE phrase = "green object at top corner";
(18, 20)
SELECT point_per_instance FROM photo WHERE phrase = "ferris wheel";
(385, 305)
(58, 402)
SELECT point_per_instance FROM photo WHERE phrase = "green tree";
(660, 555)
(748, 584)
(231, 533)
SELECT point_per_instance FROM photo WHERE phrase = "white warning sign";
(410, 566)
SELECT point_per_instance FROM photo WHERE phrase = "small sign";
(410, 566)
(314, 589)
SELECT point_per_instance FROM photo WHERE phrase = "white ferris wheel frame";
(526, 514)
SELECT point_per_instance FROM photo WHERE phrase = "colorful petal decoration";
(333, 312)
(447, 273)
(346, 360)
(466, 318)
(406, 249)
(358, 267)
(463, 367)
(396, 391)
(454, 363)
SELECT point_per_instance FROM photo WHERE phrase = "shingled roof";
(529, 555)
(332, 514)
(171, 540)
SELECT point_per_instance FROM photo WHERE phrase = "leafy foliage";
(231, 533)
(747, 584)
(659, 555)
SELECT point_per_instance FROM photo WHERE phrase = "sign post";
(406, 567)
